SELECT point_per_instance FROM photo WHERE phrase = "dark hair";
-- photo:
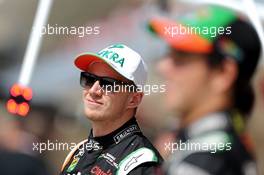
(243, 94)
(247, 40)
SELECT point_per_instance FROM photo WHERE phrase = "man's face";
(187, 80)
(100, 105)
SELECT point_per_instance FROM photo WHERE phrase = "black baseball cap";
(235, 38)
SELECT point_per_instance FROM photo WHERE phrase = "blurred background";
(56, 113)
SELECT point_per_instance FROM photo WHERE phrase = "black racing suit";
(124, 151)
(211, 146)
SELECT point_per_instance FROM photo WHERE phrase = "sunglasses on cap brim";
(87, 80)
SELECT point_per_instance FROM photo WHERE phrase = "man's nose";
(96, 89)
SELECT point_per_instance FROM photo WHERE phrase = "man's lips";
(93, 101)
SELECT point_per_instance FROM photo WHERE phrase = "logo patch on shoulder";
(136, 158)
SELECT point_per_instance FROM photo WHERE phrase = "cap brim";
(83, 60)
(186, 41)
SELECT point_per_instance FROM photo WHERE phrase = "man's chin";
(94, 115)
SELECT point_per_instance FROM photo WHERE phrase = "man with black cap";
(115, 144)
(212, 57)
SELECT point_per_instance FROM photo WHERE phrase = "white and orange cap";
(121, 58)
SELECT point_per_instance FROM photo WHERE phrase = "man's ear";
(225, 76)
(135, 99)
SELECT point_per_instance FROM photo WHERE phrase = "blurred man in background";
(14, 163)
(14, 157)
(208, 70)
(115, 144)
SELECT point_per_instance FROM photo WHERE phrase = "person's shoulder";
(140, 141)
(140, 156)
(198, 162)
(140, 161)
(206, 163)
(211, 153)
(25, 164)
(214, 142)
(19, 158)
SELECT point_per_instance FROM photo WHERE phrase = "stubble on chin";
(94, 115)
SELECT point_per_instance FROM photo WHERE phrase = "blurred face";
(187, 79)
(99, 105)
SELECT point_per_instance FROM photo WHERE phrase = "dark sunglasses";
(87, 80)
